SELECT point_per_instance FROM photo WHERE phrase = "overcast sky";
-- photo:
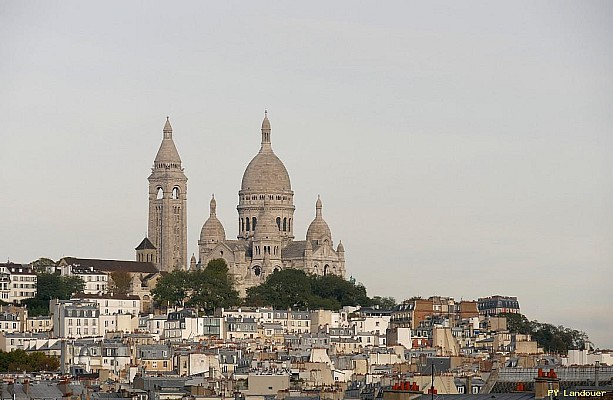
(460, 148)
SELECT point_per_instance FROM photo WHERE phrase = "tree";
(52, 286)
(172, 288)
(283, 289)
(120, 282)
(206, 288)
(342, 291)
(386, 303)
(556, 339)
(71, 285)
(294, 288)
(42, 264)
(19, 360)
(55, 286)
(213, 287)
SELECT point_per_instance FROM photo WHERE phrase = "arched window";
(176, 193)
(277, 269)
(254, 222)
(326, 267)
(284, 224)
(247, 221)
(279, 223)
(160, 193)
(257, 271)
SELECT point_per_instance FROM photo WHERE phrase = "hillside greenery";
(206, 288)
(554, 339)
(293, 288)
(52, 286)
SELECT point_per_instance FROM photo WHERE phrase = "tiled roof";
(105, 296)
(294, 249)
(145, 245)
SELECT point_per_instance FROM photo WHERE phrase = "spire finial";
(213, 206)
(167, 129)
(266, 132)
(318, 207)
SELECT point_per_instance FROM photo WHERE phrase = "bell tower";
(167, 228)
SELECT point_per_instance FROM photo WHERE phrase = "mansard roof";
(117, 296)
(112, 265)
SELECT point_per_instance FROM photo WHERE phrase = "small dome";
(212, 230)
(340, 247)
(319, 229)
(266, 172)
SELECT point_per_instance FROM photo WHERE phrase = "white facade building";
(75, 318)
(17, 282)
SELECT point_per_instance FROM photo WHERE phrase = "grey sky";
(460, 148)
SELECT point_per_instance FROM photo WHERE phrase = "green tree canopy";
(283, 289)
(19, 360)
(206, 288)
(42, 263)
(386, 303)
(55, 286)
(293, 288)
(172, 288)
(556, 339)
(52, 286)
(120, 282)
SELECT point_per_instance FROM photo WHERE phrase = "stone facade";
(265, 241)
(167, 229)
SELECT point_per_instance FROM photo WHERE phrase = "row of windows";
(81, 313)
(25, 278)
(175, 194)
(262, 197)
(122, 303)
(85, 322)
(91, 278)
(24, 286)
(167, 165)
(275, 250)
(24, 294)
(85, 331)
(249, 224)
(498, 303)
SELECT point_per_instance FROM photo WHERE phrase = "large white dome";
(266, 173)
